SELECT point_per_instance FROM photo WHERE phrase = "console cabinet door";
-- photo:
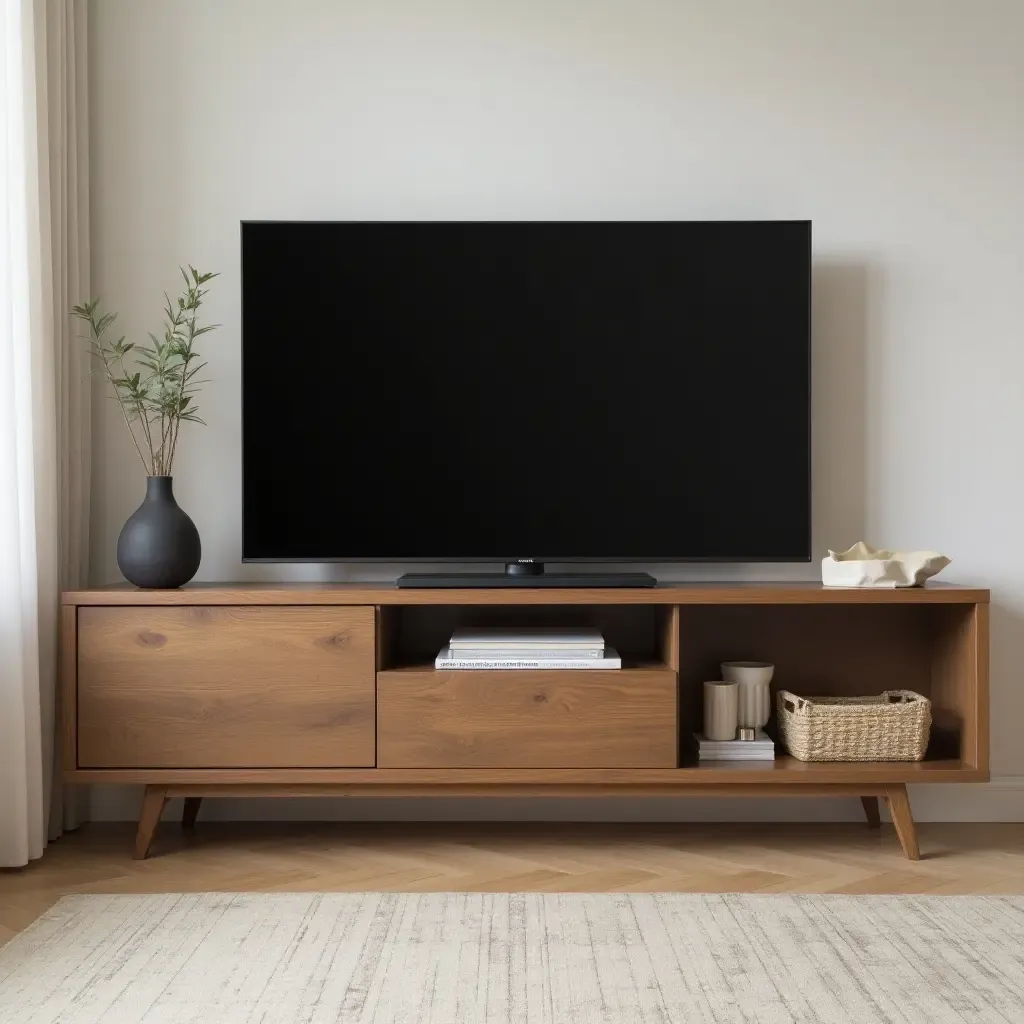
(226, 687)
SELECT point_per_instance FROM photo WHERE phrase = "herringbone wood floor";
(516, 857)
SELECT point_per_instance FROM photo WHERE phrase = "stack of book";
(529, 647)
(760, 749)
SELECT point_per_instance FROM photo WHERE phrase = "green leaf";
(100, 326)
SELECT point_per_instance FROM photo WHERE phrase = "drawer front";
(588, 719)
(225, 687)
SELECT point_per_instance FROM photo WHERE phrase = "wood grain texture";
(153, 800)
(68, 675)
(387, 632)
(529, 719)
(903, 820)
(667, 642)
(668, 636)
(225, 687)
(981, 708)
(960, 683)
(387, 593)
(784, 770)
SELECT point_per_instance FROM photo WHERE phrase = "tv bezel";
(805, 557)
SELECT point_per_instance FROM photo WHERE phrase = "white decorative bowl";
(867, 566)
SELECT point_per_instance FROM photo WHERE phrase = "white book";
(535, 653)
(546, 637)
(767, 756)
(757, 752)
(762, 755)
(748, 748)
(447, 659)
(760, 749)
(755, 755)
(763, 740)
(763, 752)
(735, 754)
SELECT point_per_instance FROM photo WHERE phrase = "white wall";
(896, 125)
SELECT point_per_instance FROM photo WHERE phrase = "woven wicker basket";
(891, 727)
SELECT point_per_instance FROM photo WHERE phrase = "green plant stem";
(163, 440)
(124, 413)
(174, 425)
(145, 425)
(176, 429)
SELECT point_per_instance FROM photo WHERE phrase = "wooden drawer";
(225, 687)
(589, 719)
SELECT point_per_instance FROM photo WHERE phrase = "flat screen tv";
(508, 391)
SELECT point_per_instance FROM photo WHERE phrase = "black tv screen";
(574, 391)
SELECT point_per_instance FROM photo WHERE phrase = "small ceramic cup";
(754, 699)
(720, 709)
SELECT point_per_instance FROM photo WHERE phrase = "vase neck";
(159, 488)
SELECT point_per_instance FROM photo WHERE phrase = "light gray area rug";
(442, 958)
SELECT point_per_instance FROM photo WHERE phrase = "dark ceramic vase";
(159, 546)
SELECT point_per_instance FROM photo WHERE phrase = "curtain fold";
(44, 398)
(68, 110)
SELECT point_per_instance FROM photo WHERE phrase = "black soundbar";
(547, 580)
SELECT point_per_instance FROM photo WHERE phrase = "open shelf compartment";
(834, 650)
(409, 637)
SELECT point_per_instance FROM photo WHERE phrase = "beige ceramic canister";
(720, 709)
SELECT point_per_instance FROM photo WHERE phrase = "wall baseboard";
(1000, 800)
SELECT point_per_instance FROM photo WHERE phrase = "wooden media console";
(249, 690)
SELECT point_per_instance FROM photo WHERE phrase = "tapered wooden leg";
(188, 815)
(152, 807)
(899, 809)
(871, 811)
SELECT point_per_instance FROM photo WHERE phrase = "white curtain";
(44, 398)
